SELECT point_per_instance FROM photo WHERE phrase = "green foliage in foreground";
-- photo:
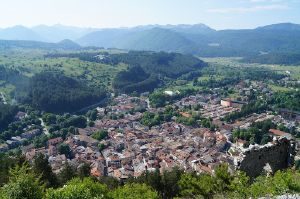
(239, 185)
(132, 191)
(22, 184)
(25, 184)
(77, 189)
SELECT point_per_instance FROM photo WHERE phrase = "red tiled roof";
(184, 114)
(277, 132)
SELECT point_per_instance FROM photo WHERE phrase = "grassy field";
(235, 62)
(188, 85)
(220, 68)
(276, 88)
(30, 62)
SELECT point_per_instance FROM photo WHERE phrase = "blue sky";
(219, 14)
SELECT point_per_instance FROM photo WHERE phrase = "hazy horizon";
(217, 14)
(83, 27)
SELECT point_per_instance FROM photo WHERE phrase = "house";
(226, 102)
(232, 103)
(57, 162)
(185, 114)
(114, 161)
(31, 134)
(27, 148)
(12, 143)
(52, 150)
(20, 115)
(278, 133)
(30, 154)
(3, 148)
(84, 140)
(55, 141)
(98, 168)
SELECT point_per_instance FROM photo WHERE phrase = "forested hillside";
(55, 92)
(146, 70)
(135, 80)
(275, 58)
(11, 76)
(7, 114)
(171, 65)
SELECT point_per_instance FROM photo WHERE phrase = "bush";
(79, 189)
(132, 191)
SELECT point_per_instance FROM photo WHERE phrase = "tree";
(169, 182)
(75, 121)
(158, 99)
(154, 179)
(7, 113)
(239, 186)
(150, 119)
(100, 135)
(64, 149)
(22, 184)
(91, 123)
(193, 186)
(222, 177)
(42, 168)
(67, 173)
(101, 146)
(133, 191)
(165, 183)
(79, 189)
(84, 170)
(49, 118)
(6, 163)
(54, 92)
(297, 164)
(110, 182)
(92, 114)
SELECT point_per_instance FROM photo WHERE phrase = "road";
(45, 130)
(3, 98)
(148, 103)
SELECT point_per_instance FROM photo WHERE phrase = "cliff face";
(269, 158)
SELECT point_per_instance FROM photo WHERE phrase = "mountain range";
(196, 39)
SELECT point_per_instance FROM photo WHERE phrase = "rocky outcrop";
(269, 158)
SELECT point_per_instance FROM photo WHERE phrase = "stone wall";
(275, 156)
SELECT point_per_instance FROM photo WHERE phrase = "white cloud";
(265, 1)
(248, 9)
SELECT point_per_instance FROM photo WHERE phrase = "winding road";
(3, 98)
(45, 130)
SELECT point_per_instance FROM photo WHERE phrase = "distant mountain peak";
(190, 28)
(69, 44)
(20, 32)
(281, 26)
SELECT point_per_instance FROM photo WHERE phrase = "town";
(120, 143)
(150, 99)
